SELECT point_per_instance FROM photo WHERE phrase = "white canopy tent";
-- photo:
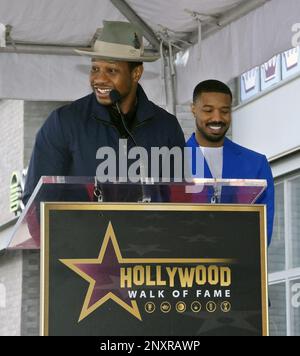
(38, 62)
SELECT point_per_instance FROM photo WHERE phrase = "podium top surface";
(26, 233)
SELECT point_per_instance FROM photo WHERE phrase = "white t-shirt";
(214, 159)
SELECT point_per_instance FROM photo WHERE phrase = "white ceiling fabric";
(172, 14)
(56, 21)
(246, 42)
(240, 46)
(75, 21)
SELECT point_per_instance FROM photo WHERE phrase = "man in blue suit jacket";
(212, 101)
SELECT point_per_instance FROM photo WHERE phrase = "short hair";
(211, 86)
(133, 65)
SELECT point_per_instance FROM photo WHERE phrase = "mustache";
(216, 123)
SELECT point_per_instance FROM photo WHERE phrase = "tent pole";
(230, 16)
(170, 83)
(58, 50)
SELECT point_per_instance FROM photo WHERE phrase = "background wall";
(10, 293)
(12, 144)
(270, 124)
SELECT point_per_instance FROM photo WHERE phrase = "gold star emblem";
(103, 275)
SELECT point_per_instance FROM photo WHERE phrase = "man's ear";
(137, 73)
(193, 109)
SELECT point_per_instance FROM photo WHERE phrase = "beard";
(211, 137)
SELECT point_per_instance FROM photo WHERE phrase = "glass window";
(295, 307)
(277, 310)
(294, 195)
(277, 247)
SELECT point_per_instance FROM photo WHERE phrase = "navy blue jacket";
(67, 143)
(242, 163)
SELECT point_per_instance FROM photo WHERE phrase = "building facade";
(267, 120)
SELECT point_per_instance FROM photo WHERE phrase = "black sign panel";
(154, 269)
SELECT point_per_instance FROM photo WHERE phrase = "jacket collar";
(229, 147)
(192, 143)
(230, 153)
(145, 109)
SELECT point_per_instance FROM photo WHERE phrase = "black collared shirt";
(130, 120)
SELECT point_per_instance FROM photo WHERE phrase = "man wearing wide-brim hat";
(67, 143)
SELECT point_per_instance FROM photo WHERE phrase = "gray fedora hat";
(121, 41)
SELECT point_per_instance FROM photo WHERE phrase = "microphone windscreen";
(115, 96)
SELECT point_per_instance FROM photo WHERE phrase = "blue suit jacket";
(242, 163)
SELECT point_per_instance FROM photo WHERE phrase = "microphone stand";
(216, 198)
(145, 197)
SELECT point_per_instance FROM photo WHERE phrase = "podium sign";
(153, 269)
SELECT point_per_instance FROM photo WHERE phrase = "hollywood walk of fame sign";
(109, 269)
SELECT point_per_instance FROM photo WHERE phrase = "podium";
(148, 259)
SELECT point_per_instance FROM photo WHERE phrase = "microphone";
(115, 98)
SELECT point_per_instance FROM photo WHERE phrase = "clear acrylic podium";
(148, 259)
(26, 234)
